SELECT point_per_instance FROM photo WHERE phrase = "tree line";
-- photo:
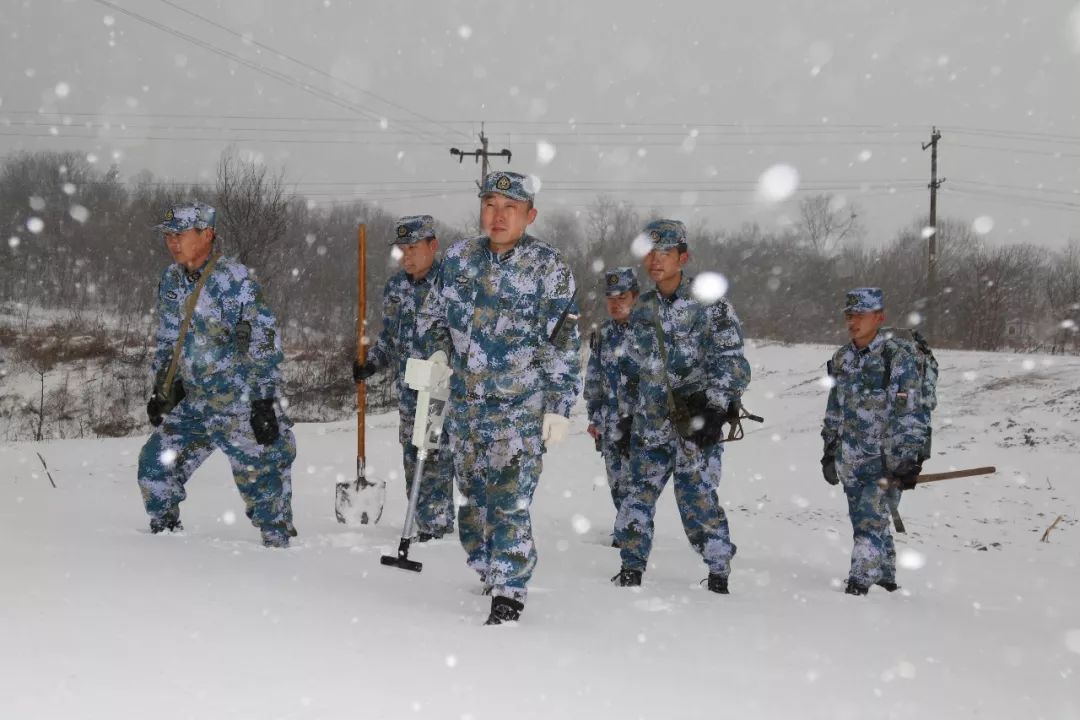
(79, 236)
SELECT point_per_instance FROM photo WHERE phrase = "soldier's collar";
(429, 276)
(874, 346)
(681, 290)
(192, 276)
(524, 240)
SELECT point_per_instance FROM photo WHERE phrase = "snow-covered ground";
(99, 619)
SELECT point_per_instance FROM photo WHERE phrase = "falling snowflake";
(910, 559)
(581, 524)
(709, 287)
(778, 183)
(545, 152)
(983, 224)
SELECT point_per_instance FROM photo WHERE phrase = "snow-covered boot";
(854, 588)
(718, 583)
(275, 537)
(627, 578)
(504, 610)
(169, 522)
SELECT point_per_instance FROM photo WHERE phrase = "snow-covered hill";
(99, 619)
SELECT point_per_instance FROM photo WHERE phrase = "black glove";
(360, 373)
(712, 428)
(622, 435)
(161, 402)
(828, 468)
(696, 407)
(155, 410)
(907, 473)
(828, 463)
(264, 421)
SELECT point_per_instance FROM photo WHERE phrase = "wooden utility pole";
(932, 247)
(481, 154)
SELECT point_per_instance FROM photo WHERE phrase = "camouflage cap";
(665, 234)
(619, 280)
(185, 216)
(864, 300)
(511, 184)
(412, 229)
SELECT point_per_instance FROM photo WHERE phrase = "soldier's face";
(504, 220)
(191, 247)
(618, 306)
(417, 258)
(862, 327)
(665, 265)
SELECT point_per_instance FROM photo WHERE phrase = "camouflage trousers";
(696, 473)
(873, 555)
(435, 504)
(497, 460)
(617, 466)
(184, 440)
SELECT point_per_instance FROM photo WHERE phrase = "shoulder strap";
(886, 357)
(663, 355)
(189, 310)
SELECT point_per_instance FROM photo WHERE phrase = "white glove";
(555, 427)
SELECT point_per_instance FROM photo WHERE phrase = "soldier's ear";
(531, 215)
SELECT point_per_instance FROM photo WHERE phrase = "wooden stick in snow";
(1046, 535)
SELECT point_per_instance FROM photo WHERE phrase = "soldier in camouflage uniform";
(698, 372)
(874, 432)
(226, 381)
(504, 308)
(608, 345)
(415, 240)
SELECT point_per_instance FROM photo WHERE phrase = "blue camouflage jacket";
(872, 423)
(398, 340)
(607, 346)
(508, 322)
(704, 345)
(231, 351)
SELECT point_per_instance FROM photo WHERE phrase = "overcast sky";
(678, 106)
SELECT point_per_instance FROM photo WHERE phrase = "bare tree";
(827, 221)
(611, 227)
(1062, 286)
(252, 213)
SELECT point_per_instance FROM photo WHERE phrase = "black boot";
(718, 583)
(504, 610)
(889, 585)
(627, 578)
(854, 588)
(169, 522)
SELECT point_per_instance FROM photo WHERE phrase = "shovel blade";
(359, 502)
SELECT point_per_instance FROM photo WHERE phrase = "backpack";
(916, 344)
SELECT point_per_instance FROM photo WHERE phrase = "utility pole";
(931, 264)
(481, 153)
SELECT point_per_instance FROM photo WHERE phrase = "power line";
(258, 67)
(1021, 151)
(303, 64)
(1017, 199)
(571, 125)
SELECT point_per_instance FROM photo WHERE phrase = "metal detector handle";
(431, 381)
